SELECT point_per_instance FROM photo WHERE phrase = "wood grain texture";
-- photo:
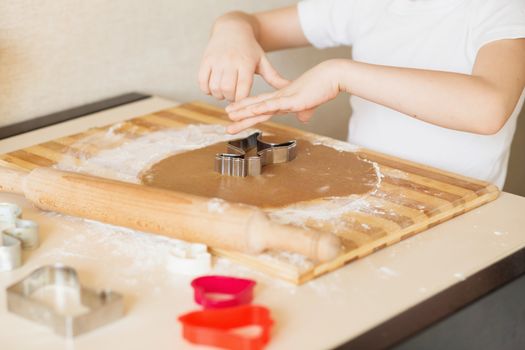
(410, 199)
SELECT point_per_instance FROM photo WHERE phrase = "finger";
(215, 84)
(228, 82)
(306, 115)
(248, 101)
(269, 106)
(239, 126)
(244, 84)
(270, 75)
(204, 78)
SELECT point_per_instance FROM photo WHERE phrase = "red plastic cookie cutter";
(240, 291)
(217, 327)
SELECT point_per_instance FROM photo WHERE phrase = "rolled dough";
(317, 172)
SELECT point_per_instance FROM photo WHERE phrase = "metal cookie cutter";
(9, 213)
(104, 307)
(238, 163)
(26, 231)
(10, 253)
(15, 234)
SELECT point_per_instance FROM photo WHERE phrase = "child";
(433, 81)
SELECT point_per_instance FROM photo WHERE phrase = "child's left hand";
(315, 87)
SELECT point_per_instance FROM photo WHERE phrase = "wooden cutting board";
(409, 199)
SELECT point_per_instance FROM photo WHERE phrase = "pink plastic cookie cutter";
(238, 290)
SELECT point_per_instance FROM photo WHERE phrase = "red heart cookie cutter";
(216, 327)
(240, 291)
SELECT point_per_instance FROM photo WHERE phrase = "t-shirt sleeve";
(497, 20)
(327, 23)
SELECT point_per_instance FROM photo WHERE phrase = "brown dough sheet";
(317, 172)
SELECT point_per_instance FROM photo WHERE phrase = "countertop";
(321, 314)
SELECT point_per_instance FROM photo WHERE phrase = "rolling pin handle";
(328, 247)
(313, 244)
(258, 224)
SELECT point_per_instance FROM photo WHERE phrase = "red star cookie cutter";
(239, 290)
(216, 327)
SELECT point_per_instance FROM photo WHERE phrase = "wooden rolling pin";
(229, 226)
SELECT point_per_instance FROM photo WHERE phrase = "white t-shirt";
(428, 34)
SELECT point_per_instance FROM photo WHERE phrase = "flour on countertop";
(500, 233)
(388, 271)
(146, 251)
(460, 276)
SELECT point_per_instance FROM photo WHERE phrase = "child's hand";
(315, 87)
(232, 57)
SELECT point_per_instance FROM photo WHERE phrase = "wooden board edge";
(288, 274)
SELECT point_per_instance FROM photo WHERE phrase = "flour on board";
(126, 161)
(125, 158)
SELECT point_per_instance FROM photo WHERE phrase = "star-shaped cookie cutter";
(104, 306)
(237, 163)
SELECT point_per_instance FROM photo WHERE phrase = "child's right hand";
(232, 57)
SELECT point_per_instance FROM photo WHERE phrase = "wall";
(64, 53)
(70, 52)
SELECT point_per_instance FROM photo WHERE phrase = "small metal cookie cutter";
(10, 253)
(15, 234)
(26, 231)
(9, 212)
(237, 163)
(104, 306)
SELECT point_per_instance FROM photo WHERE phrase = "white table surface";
(318, 315)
